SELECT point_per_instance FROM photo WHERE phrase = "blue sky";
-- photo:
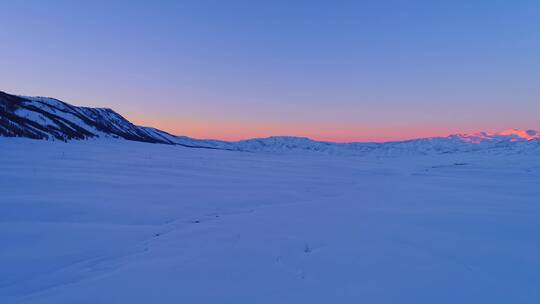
(332, 70)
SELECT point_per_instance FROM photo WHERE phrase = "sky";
(328, 70)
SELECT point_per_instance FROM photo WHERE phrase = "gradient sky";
(329, 70)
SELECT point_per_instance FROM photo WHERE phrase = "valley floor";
(126, 222)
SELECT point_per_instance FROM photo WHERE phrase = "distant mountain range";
(52, 119)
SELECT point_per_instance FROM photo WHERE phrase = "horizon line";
(325, 139)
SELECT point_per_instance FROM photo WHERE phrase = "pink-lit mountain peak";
(526, 135)
(505, 135)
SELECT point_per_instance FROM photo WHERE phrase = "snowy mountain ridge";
(506, 135)
(52, 119)
(510, 139)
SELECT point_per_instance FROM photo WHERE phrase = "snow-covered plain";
(110, 221)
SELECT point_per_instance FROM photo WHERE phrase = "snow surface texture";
(110, 221)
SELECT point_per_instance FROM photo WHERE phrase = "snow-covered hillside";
(129, 222)
(49, 118)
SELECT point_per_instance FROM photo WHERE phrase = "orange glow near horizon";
(232, 131)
